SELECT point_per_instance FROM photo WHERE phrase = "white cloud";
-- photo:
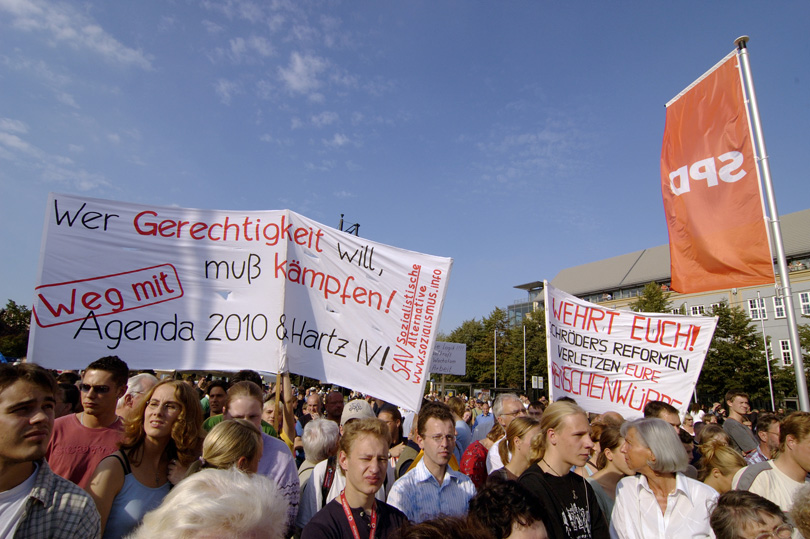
(325, 118)
(226, 89)
(212, 27)
(67, 25)
(337, 141)
(75, 148)
(301, 75)
(115, 138)
(66, 99)
(344, 194)
(13, 126)
(296, 123)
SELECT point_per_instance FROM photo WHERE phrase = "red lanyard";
(348, 511)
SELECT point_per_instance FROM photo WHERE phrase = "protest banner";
(449, 358)
(710, 184)
(172, 288)
(615, 360)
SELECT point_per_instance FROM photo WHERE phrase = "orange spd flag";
(710, 182)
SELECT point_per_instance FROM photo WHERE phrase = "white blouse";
(637, 515)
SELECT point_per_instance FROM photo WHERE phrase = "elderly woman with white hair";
(660, 501)
(320, 439)
(218, 503)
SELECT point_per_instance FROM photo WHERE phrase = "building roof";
(641, 267)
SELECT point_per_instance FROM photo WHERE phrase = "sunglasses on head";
(85, 388)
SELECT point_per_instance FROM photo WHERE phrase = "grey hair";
(497, 406)
(219, 503)
(658, 436)
(136, 384)
(320, 439)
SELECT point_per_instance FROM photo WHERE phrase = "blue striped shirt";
(420, 496)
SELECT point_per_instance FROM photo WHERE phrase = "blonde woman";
(245, 402)
(516, 449)
(232, 443)
(718, 465)
(564, 442)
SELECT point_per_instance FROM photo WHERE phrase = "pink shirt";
(75, 450)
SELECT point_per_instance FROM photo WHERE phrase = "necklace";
(573, 492)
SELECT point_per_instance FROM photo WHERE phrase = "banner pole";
(776, 231)
(524, 358)
(767, 356)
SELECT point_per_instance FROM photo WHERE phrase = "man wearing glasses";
(432, 488)
(81, 440)
(768, 434)
(507, 406)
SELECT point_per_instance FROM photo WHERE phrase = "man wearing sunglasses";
(81, 440)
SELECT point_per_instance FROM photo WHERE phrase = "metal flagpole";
(767, 356)
(495, 350)
(524, 358)
(776, 231)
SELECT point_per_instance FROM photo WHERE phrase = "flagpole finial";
(741, 41)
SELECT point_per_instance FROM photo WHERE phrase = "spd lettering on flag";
(711, 188)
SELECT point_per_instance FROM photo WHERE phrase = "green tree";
(735, 359)
(653, 299)
(15, 322)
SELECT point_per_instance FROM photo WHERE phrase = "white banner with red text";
(169, 288)
(615, 360)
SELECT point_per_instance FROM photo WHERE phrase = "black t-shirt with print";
(570, 503)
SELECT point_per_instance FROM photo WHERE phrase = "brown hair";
(797, 425)
(30, 372)
(737, 508)
(186, 431)
(456, 406)
(435, 410)
(609, 438)
(245, 388)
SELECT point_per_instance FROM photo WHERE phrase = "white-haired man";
(137, 388)
(507, 406)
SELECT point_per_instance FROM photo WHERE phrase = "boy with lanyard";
(363, 458)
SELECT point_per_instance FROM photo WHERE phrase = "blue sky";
(518, 138)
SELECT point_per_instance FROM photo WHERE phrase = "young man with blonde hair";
(363, 460)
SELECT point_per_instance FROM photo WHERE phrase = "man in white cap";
(327, 481)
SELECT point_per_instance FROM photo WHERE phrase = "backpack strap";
(328, 478)
(750, 473)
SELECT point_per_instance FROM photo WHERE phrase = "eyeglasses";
(784, 531)
(522, 411)
(85, 388)
(167, 407)
(451, 438)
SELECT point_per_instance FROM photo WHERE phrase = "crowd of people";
(104, 453)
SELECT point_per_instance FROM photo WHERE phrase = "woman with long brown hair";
(134, 480)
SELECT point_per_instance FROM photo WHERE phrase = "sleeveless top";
(132, 502)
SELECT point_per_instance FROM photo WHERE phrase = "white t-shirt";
(12, 503)
(772, 484)
(494, 461)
